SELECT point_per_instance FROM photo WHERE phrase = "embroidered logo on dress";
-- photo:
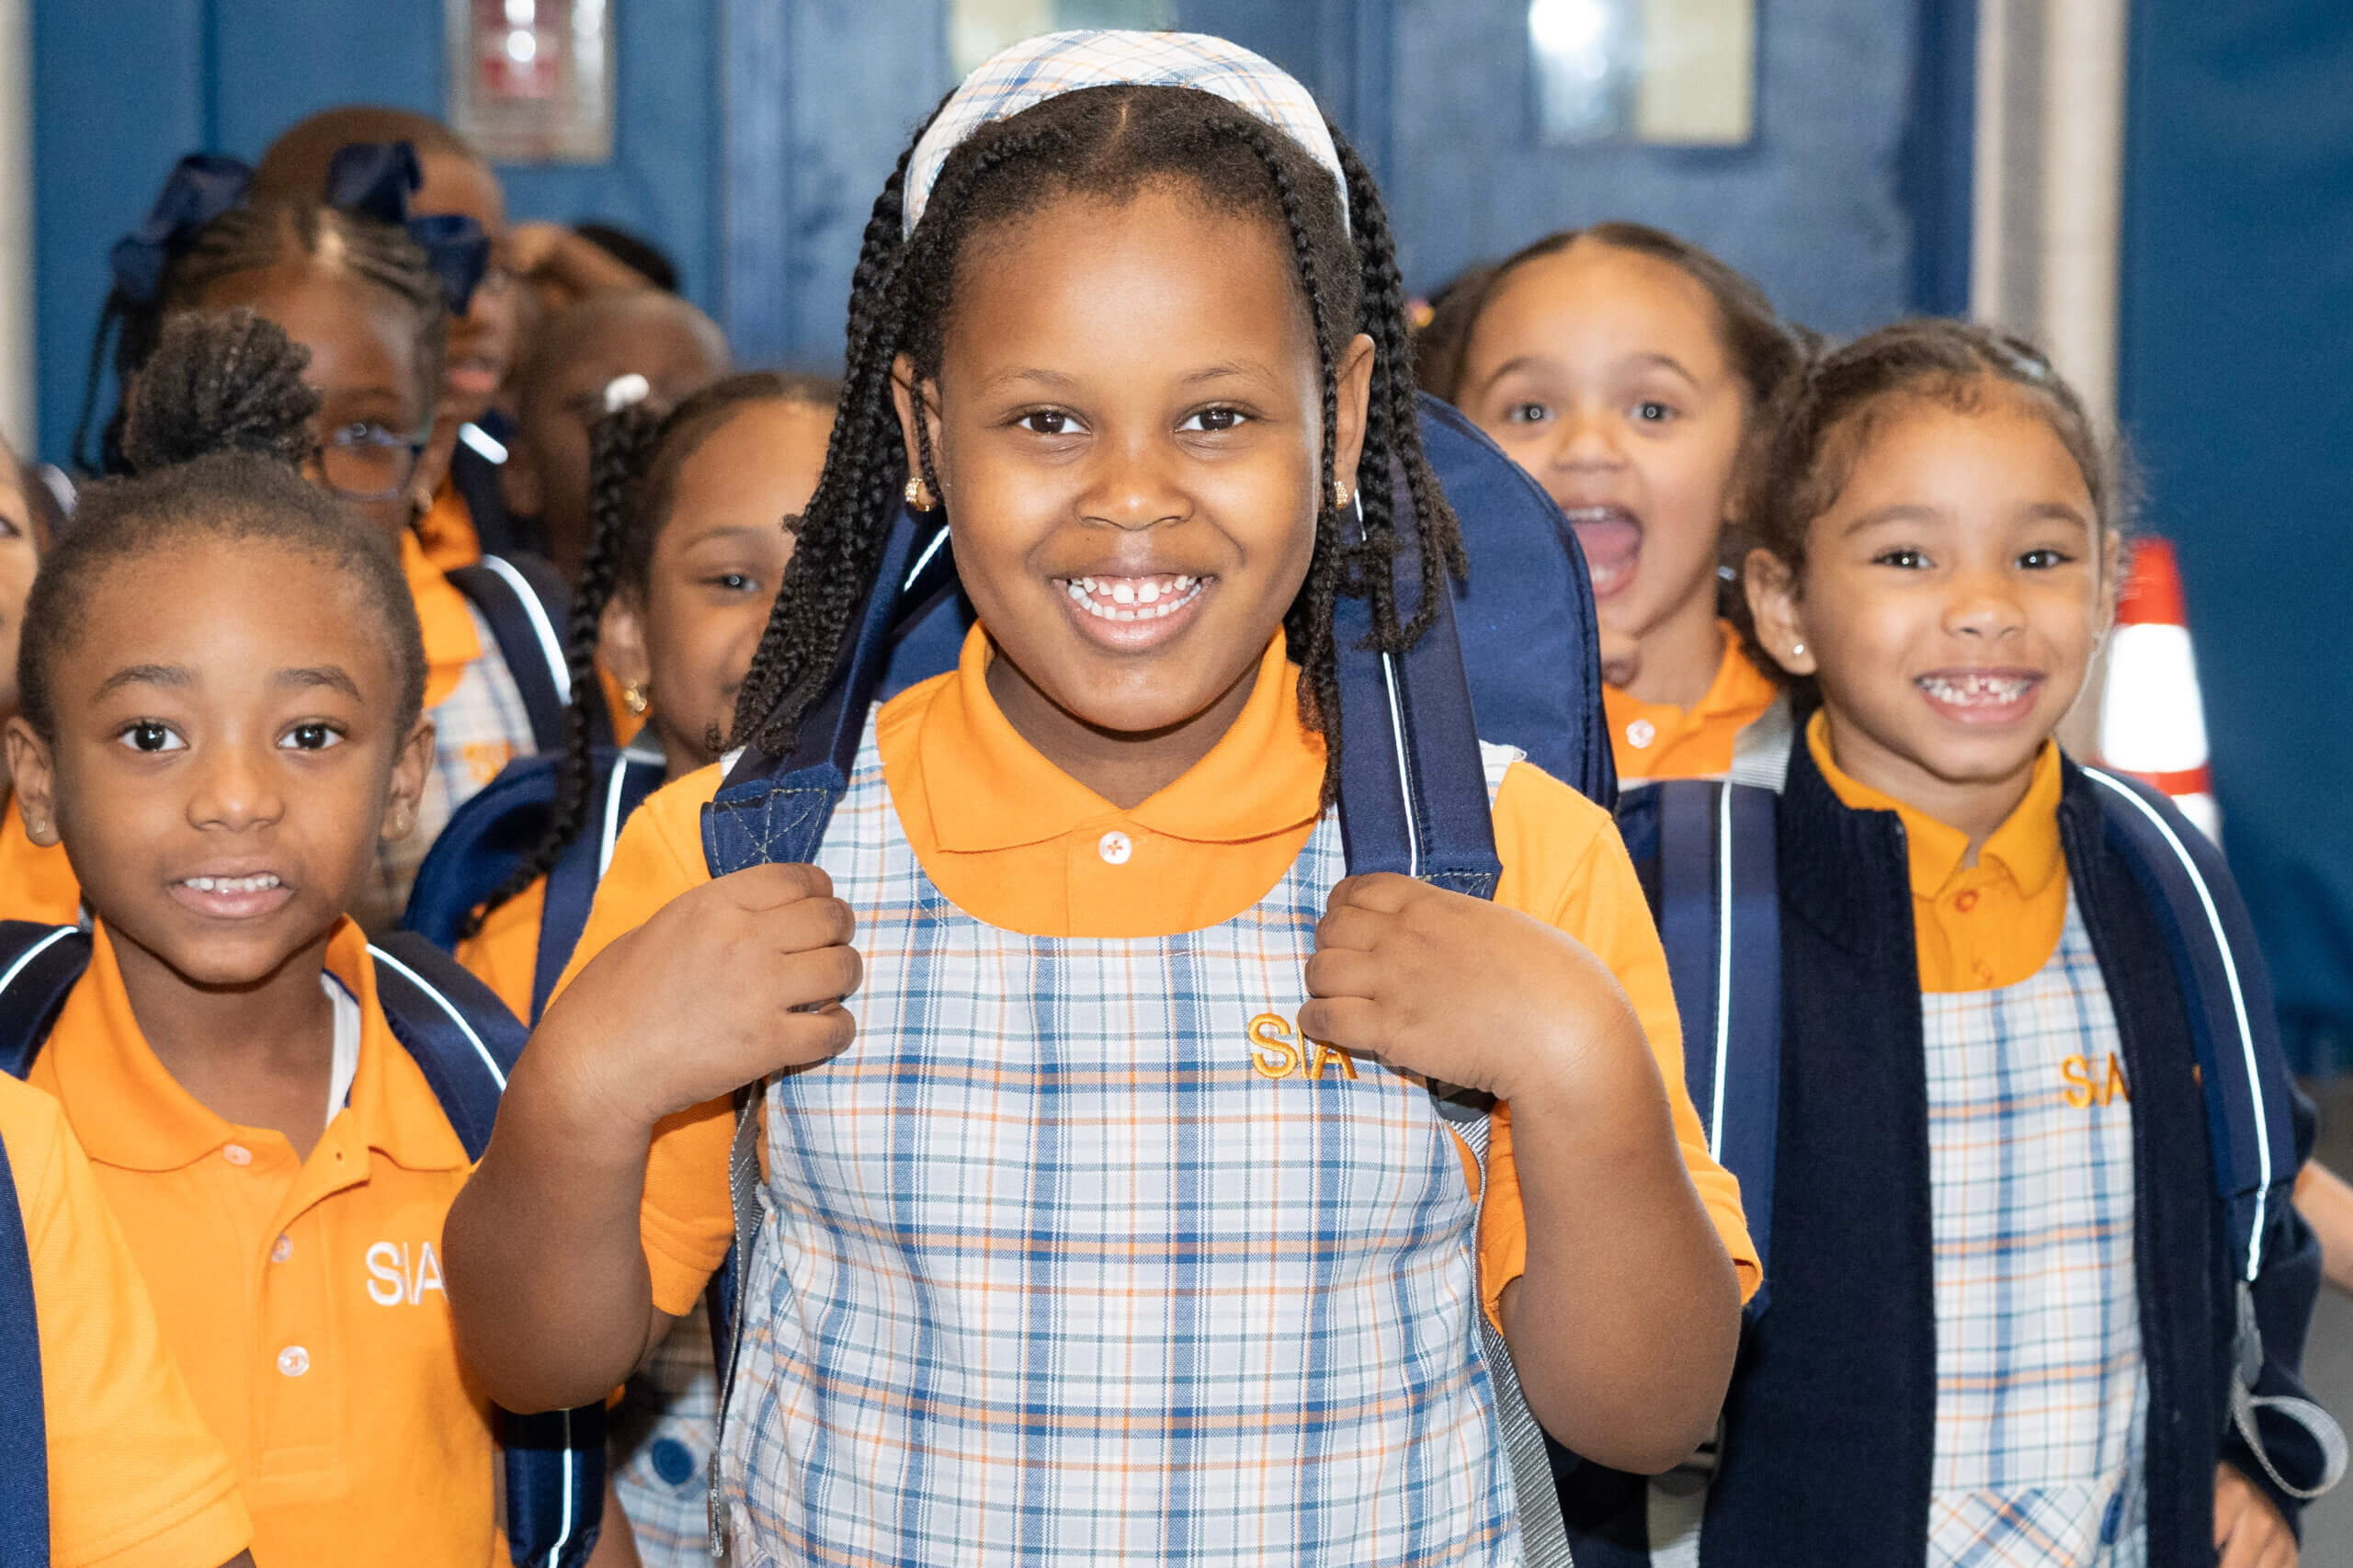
(2087, 1087)
(1273, 1054)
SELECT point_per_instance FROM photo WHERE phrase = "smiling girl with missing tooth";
(1629, 371)
(1062, 1259)
(2002, 1314)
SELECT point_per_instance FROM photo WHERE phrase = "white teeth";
(1133, 598)
(1975, 690)
(259, 882)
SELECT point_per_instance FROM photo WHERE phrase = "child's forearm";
(1625, 1324)
(2326, 1204)
(547, 1278)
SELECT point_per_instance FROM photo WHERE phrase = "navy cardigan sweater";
(1831, 1422)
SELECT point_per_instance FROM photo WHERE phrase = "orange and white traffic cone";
(2152, 721)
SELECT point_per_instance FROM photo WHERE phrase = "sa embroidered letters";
(2088, 1085)
(395, 1279)
(1274, 1054)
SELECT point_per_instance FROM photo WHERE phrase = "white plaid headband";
(1050, 64)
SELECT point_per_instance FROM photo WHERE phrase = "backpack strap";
(1760, 752)
(571, 885)
(2244, 1073)
(523, 600)
(24, 1429)
(465, 1042)
(1720, 922)
(38, 968)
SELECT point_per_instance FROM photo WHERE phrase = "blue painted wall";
(2237, 391)
(120, 89)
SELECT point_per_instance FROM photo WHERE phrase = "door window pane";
(978, 28)
(1673, 71)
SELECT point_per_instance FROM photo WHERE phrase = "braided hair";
(252, 237)
(212, 443)
(634, 458)
(1111, 142)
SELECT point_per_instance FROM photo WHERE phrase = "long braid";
(619, 446)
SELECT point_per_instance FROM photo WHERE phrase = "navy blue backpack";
(1518, 646)
(1707, 854)
(465, 1042)
(525, 603)
(23, 1435)
(489, 836)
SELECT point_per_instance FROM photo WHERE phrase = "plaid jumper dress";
(2043, 1393)
(1054, 1267)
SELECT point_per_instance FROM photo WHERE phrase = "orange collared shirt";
(36, 881)
(1658, 739)
(302, 1299)
(505, 954)
(443, 615)
(135, 1478)
(1983, 927)
(1015, 841)
(447, 529)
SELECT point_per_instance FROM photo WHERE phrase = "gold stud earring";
(1341, 494)
(633, 697)
(918, 493)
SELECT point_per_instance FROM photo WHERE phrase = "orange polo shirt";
(505, 954)
(36, 881)
(450, 642)
(1013, 841)
(1983, 927)
(135, 1478)
(447, 529)
(1658, 739)
(302, 1299)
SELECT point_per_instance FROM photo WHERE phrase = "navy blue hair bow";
(202, 186)
(376, 180)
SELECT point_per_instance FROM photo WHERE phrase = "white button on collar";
(293, 1360)
(281, 1249)
(1115, 847)
(1641, 734)
(236, 1154)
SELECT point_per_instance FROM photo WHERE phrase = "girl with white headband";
(1106, 1213)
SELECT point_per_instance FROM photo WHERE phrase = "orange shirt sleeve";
(1564, 863)
(135, 1478)
(684, 1220)
(505, 954)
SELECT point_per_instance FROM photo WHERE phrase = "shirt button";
(1641, 734)
(238, 1154)
(1965, 901)
(1115, 847)
(293, 1360)
(281, 1249)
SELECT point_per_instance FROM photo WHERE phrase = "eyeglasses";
(368, 463)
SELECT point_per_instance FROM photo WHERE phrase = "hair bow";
(202, 186)
(375, 179)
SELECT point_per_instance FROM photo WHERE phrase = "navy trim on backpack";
(525, 606)
(23, 1435)
(465, 1042)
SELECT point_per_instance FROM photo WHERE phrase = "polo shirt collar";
(2025, 848)
(989, 788)
(130, 1112)
(450, 642)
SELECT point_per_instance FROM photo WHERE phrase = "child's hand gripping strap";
(1414, 800)
(465, 1042)
(2244, 1074)
(775, 810)
(24, 1432)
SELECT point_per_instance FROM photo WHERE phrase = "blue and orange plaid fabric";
(2042, 1393)
(1040, 68)
(1053, 1266)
